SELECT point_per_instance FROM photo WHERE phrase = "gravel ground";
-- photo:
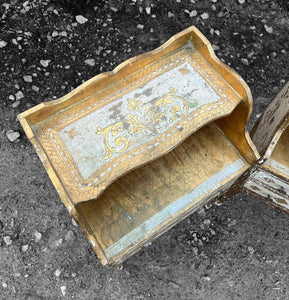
(236, 251)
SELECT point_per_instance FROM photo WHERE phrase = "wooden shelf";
(160, 191)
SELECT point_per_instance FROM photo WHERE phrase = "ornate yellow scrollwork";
(156, 114)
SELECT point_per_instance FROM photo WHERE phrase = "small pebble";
(15, 104)
(81, 19)
(54, 33)
(206, 277)
(170, 14)
(63, 33)
(241, 1)
(245, 61)
(205, 16)
(63, 290)
(35, 88)
(45, 62)
(12, 135)
(90, 62)
(251, 250)
(7, 239)
(268, 29)
(207, 222)
(28, 78)
(73, 275)
(57, 273)
(11, 97)
(148, 10)
(3, 44)
(193, 13)
(140, 26)
(24, 248)
(38, 236)
(19, 95)
(4, 284)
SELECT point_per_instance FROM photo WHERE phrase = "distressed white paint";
(169, 213)
(271, 119)
(88, 149)
(268, 186)
(277, 166)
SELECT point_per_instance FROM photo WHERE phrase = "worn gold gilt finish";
(133, 151)
(269, 178)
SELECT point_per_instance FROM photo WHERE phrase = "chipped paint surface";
(271, 119)
(133, 120)
(207, 189)
(269, 187)
(277, 166)
(130, 121)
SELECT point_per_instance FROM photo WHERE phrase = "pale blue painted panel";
(169, 212)
(83, 147)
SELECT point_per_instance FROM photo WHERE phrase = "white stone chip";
(35, 88)
(268, 28)
(12, 137)
(19, 95)
(28, 78)
(11, 97)
(38, 236)
(24, 248)
(3, 44)
(90, 62)
(7, 239)
(45, 62)
(205, 16)
(193, 13)
(81, 19)
(15, 104)
(63, 290)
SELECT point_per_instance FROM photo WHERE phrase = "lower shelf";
(150, 199)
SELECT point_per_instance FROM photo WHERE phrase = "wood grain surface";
(146, 191)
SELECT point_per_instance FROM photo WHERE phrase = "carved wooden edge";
(33, 115)
(100, 81)
(271, 123)
(129, 66)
